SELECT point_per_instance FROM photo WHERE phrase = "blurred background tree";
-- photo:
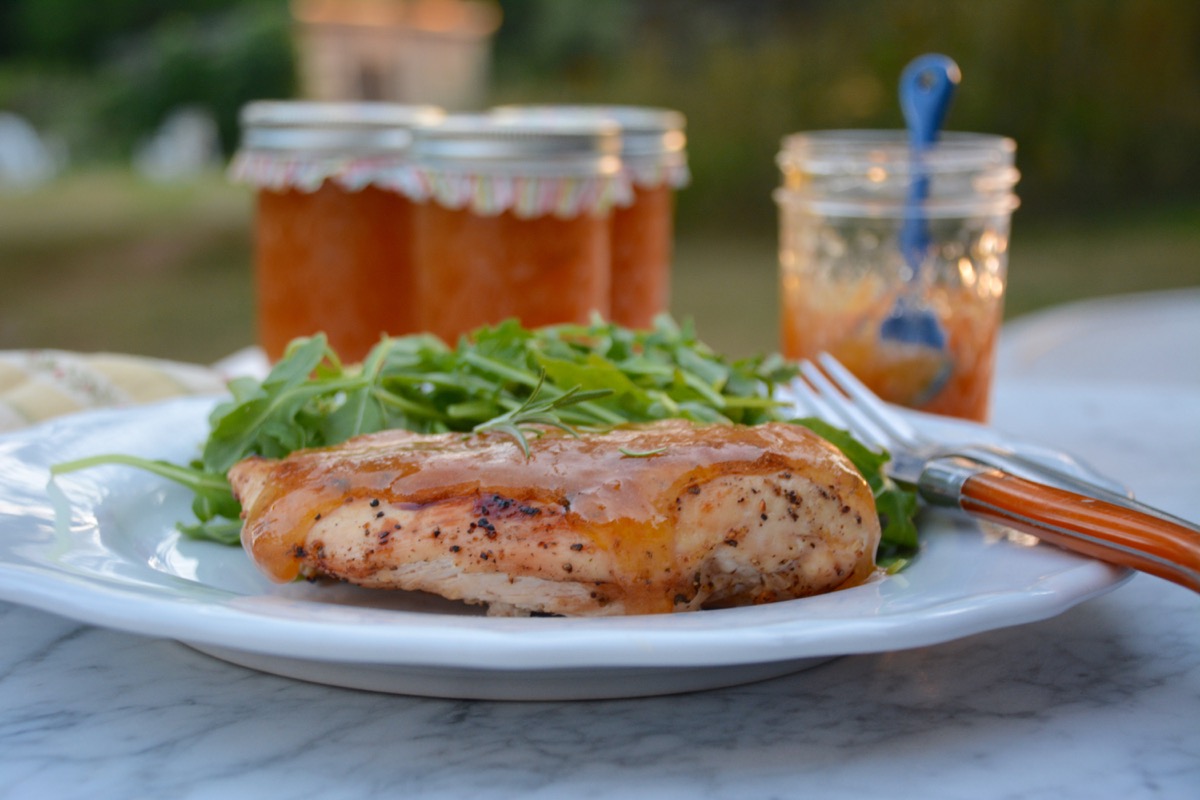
(1102, 96)
(104, 75)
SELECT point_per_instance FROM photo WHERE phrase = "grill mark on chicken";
(723, 516)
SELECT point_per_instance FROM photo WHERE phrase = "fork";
(1000, 485)
(833, 393)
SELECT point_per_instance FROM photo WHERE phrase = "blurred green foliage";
(1102, 96)
(103, 75)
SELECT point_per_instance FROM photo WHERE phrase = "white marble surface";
(1101, 701)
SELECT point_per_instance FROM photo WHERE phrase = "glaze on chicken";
(662, 517)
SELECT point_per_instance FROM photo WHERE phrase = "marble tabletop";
(1100, 701)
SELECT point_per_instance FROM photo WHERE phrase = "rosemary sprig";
(520, 420)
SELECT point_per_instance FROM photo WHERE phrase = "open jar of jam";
(333, 233)
(846, 211)
(512, 221)
(654, 159)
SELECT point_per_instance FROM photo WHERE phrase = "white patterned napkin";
(39, 384)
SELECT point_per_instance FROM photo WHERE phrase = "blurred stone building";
(406, 51)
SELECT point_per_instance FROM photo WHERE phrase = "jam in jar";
(654, 160)
(333, 232)
(512, 220)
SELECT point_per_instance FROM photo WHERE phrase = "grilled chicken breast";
(656, 518)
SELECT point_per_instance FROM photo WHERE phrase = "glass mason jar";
(333, 235)
(846, 210)
(512, 220)
(654, 159)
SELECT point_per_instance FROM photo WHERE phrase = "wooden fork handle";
(1095, 528)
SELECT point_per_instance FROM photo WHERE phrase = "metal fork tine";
(869, 404)
(809, 403)
(841, 408)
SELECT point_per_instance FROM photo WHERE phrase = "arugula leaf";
(212, 499)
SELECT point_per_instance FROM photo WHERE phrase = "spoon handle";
(927, 87)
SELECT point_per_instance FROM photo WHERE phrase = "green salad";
(505, 378)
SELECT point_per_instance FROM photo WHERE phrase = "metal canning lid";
(645, 131)
(301, 145)
(531, 168)
(653, 140)
(486, 144)
(332, 128)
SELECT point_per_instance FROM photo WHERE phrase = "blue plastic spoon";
(926, 89)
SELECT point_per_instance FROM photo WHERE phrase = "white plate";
(99, 546)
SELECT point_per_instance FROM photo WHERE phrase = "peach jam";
(512, 220)
(654, 159)
(333, 234)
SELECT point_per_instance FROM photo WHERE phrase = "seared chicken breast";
(655, 518)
